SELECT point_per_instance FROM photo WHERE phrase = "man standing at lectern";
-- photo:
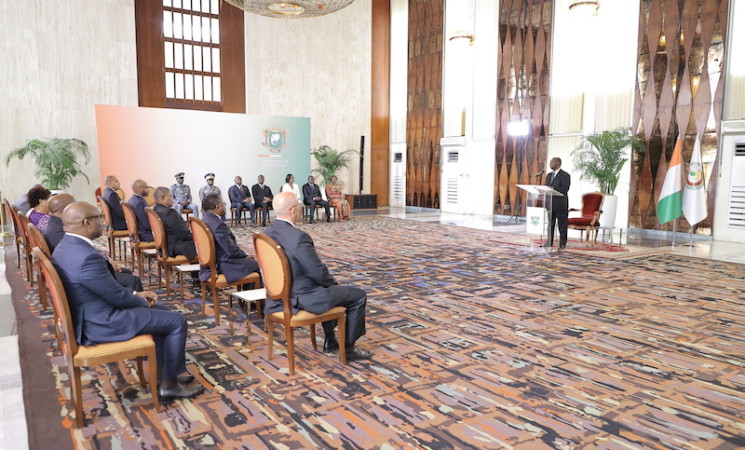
(560, 181)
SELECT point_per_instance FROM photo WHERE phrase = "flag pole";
(675, 230)
(690, 236)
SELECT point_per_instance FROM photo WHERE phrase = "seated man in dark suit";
(231, 261)
(313, 288)
(104, 311)
(178, 235)
(312, 197)
(262, 198)
(115, 202)
(55, 232)
(138, 203)
(240, 198)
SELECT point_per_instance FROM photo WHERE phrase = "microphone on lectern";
(540, 173)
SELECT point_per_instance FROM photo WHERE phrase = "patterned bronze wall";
(522, 94)
(678, 91)
(424, 119)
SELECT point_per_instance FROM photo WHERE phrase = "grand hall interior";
(447, 125)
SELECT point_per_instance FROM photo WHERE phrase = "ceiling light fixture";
(587, 7)
(291, 9)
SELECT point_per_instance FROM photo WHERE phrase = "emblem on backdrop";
(275, 139)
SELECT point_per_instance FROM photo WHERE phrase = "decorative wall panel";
(424, 119)
(678, 92)
(522, 95)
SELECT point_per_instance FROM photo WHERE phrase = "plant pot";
(608, 217)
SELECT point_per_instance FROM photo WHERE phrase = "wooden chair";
(259, 211)
(36, 239)
(77, 356)
(135, 244)
(240, 216)
(10, 213)
(113, 235)
(164, 261)
(590, 215)
(306, 211)
(205, 243)
(186, 212)
(275, 270)
(21, 225)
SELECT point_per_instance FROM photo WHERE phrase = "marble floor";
(697, 246)
(12, 416)
(12, 413)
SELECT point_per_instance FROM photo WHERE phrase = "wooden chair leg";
(143, 381)
(76, 395)
(202, 288)
(216, 304)
(342, 325)
(313, 336)
(167, 270)
(42, 290)
(269, 325)
(153, 366)
(290, 336)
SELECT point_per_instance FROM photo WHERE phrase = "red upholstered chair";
(589, 219)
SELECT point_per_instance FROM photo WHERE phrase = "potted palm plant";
(600, 158)
(330, 161)
(56, 160)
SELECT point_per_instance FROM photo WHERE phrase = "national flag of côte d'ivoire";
(669, 205)
(694, 195)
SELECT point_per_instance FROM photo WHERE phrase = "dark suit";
(54, 234)
(178, 236)
(104, 311)
(313, 288)
(559, 206)
(259, 193)
(139, 204)
(310, 193)
(231, 261)
(115, 206)
(238, 200)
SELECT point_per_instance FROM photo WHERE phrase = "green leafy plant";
(56, 160)
(330, 161)
(600, 157)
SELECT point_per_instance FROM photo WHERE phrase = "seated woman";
(38, 197)
(336, 198)
(290, 186)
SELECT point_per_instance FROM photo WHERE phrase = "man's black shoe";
(330, 345)
(180, 391)
(562, 247)
(357, 354)
(312, 221)
(183, 379)
(328, 220)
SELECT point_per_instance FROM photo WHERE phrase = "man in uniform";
(182, 196)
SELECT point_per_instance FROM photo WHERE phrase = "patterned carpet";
(478, 344)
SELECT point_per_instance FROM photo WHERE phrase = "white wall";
(58, 60)
(592, 85)
(318, 68)
(398, 99)
(469, 109)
